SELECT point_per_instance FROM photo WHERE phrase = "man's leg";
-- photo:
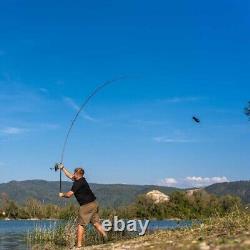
(80, 236)
(100, 229)
(95, 221)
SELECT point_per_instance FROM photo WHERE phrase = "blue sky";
(182, 58)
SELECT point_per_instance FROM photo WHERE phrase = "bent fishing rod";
(82, 107)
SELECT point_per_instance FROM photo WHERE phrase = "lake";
(13, 232)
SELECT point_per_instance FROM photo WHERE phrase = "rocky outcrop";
(157, 196)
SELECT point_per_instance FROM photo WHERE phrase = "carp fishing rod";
(84, 104)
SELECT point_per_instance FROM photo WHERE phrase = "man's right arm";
(65, 171)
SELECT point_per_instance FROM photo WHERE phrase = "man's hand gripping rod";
(59, 166)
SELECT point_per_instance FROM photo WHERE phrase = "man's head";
(78, 173)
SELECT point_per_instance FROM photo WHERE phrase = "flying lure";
(197, 120)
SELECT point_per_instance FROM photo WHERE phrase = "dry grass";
(62, 236)
(229, 232)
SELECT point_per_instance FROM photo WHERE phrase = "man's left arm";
(66, 195)
(75, 187)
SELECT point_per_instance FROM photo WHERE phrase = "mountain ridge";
(109, 195)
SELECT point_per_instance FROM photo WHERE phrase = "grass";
(64, 235)
(231, 231)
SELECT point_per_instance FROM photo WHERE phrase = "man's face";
(76, 176)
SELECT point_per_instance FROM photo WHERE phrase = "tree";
(11, 210)
(33, 208)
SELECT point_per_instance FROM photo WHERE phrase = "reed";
(64, 234)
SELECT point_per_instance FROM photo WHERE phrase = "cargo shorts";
(88, 213)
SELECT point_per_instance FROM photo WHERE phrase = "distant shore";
(29, 219)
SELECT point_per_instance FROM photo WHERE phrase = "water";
(168, 224)
(13, 232)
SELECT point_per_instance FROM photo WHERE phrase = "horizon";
(183, 60)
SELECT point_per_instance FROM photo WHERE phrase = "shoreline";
(30, 219)
(231, 232)
(54, 219)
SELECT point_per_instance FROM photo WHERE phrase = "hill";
(237, 188)
(109, 195)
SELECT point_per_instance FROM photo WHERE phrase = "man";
(88, 212)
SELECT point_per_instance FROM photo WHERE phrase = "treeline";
(35, 209)
(181, 205)
(198, 205)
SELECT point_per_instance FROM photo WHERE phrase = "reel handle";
(56, 167)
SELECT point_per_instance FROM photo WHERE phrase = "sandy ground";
(232, 232)
(163, 240)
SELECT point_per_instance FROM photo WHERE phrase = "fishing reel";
(56, 167)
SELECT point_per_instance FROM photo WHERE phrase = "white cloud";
(141, 123)
(49, 126)
(71, 103)
(12, 131)
(27, 128)
(16, 97)
(43, 90)
(164, 139)
(181, 99)
(88, 117)
(193, 181)
(199, 181)
(169, 182)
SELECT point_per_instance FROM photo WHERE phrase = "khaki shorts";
(89, 214)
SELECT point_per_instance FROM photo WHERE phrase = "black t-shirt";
(82, 191)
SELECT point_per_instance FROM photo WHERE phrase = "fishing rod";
(84, 104)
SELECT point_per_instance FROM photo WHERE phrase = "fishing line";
(86, 101)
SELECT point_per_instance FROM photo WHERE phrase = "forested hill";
(109, 195)
(237, 188)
